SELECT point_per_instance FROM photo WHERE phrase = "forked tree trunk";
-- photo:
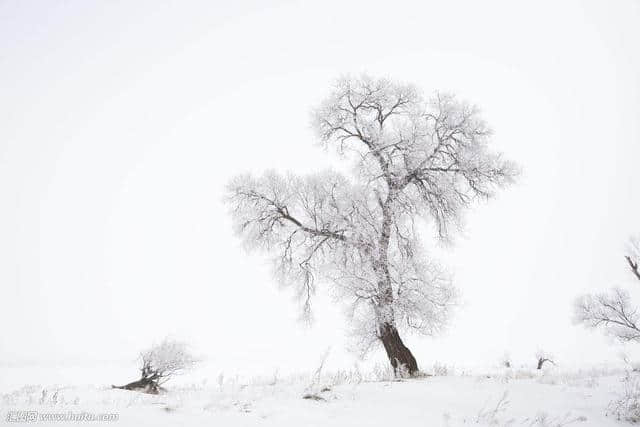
(399, 355)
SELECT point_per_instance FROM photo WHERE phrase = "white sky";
(121, 122)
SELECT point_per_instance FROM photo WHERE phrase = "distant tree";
(506, 360)
(613, 311)
(160, 363)
(543, 358)
(413, 158)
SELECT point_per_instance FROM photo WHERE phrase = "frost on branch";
(413, 158)
(160, 363)
(432, 153)
(613, 311)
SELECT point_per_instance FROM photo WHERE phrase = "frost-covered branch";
(613, 312)
(431, 154)
(165, 360)
(160, 363)
(303, 221)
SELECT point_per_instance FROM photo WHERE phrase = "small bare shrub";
(489, 415)
(627, 406)
(383, 373)
(314, 389)
(440, 370)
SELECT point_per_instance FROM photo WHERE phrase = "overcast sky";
(121, 122)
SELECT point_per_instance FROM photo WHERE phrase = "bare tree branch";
(613, 312)
(633, 255)
(634, 267)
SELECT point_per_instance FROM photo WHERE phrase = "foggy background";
(121, 123)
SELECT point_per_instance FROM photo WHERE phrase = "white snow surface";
(498, 397)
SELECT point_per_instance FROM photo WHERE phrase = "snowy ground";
(503, 397)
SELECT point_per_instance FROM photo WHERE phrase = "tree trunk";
(144, 385)
(399, 355)
(542, 360)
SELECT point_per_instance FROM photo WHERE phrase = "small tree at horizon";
(543, 357)
(413, 158)
(159, 363)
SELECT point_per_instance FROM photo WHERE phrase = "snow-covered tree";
(160, 363)
(613, 311)
(413, 158)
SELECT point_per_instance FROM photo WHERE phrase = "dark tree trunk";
(542, 360)
(398, 354)
(145, 385)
